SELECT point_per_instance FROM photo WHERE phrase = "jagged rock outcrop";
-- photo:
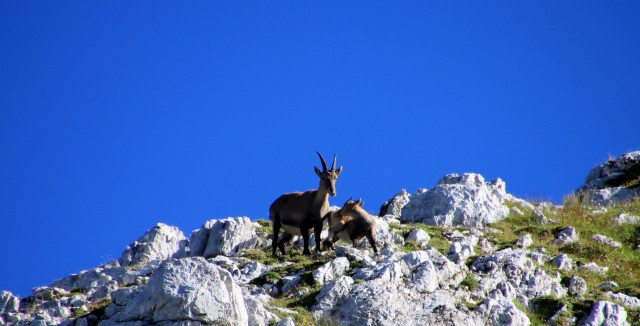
(186, 290)
(465, 200)
(474, 277)
(159, 243)
(617, 180)
(605, 313)
(223, 237)
(394, 205)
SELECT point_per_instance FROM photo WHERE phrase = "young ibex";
(351, 223)
(299, 212)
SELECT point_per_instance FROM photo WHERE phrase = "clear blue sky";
(117, 115)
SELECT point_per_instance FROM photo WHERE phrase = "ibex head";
(328, 177)
(350, 204)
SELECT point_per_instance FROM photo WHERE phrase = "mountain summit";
(465, 252)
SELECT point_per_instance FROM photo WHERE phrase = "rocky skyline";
(465, 252)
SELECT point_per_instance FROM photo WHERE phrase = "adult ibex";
(299, 212)
(351, 223)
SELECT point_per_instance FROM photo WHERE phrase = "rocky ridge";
(464, 252)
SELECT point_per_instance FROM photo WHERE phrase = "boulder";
(606, 240)
(465, 200)
(331, 270)
(612, 182)
(562, 262)
(566, 236)
(609, 196)
(330, 295)
(594, 268)
(187, 290)
(354, 254)
(159, 243)
(394, 205)
(626, 219)
(419, 237)
(605, 313)
(539, 217)
(498, 311)
(524, 241)
(623, 299)
(460, 251)
(577, 285)
(223, 237)
(9, 303)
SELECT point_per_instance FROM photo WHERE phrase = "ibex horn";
(333, 167)
(324, 164)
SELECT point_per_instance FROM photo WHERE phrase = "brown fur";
(352, 223)
(300, 212)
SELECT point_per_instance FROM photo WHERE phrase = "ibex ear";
(360, 202)
(338, 170)
(318, 172)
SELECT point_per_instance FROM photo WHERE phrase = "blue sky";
(117, 115)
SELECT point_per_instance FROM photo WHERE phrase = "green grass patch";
(470, 283)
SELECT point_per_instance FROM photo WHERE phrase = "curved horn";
(324, 164)
(333, 167)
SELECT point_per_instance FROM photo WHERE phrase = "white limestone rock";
(223, 237)
(499, 311)
(187, 290)
(516, 211)
(448, 273)
(577, 285)
(257, 313)
(515, 267)
(159, 243)
(393, 206)
(608, 285)
(605, 313)
(354, 254)
(626, 219)
(330, 295)
(465, 200)
(606, 240)
(563, 262)
(385, 237)
(539, 217)
(419, 237)
(625, 300)
(331, 270)
(602, 173)
(288, 321)
(9, 303)
(422, 274)
(460, 251)
(566, 236)
(609, 196)
(524, 241)
(595, 268)
(242, 270)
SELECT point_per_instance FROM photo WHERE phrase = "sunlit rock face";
(190, 289)
(223, 237)
(159, 243)
(612, 182)
(458, 200)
